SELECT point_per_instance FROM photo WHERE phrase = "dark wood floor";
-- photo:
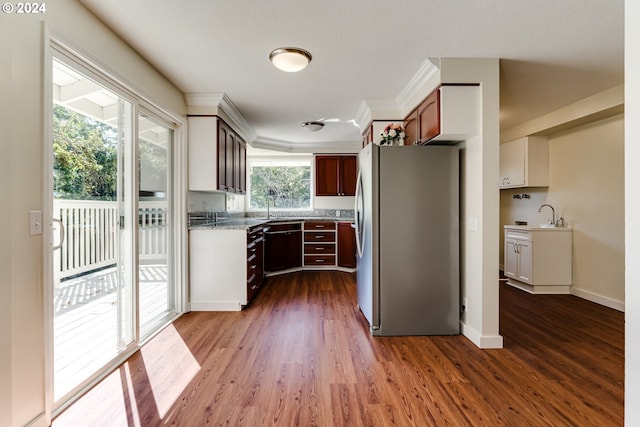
(301, 355)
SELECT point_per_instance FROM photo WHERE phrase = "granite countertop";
(247, 223)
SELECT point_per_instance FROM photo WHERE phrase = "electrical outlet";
(35, 222)
(337, 214)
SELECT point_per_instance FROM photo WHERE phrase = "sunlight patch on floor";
(170, 367)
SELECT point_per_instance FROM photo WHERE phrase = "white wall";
(480, 203)
(586, 188)
(632, 213)
(22, 388)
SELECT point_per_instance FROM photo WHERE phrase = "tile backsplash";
(198, 201)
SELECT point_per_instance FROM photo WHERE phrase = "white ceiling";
(553, 52)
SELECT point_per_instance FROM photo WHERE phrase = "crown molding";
(306, 147)
(420, 85)
(204, 99)
(363, 116)
(220, 104)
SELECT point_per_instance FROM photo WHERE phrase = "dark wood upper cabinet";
(327, 177)
(241, 167)
(348, 175)
(336, 175)
(429, 117)
(367, 135)
(231, 160)
(411, 128)
(448, 115)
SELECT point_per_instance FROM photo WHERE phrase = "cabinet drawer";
(517, 234)
(277, 228)
(253, 235)
(252, 266)
(320, 236)
(320, 225)
(310, 260)
(323, 248)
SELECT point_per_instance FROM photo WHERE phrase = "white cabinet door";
(512, 160)
(525, 262)
(524, 162)
(510, 258)
(203, 153)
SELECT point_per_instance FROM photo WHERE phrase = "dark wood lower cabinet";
(346, 245)
(255, 261)
(283, 248)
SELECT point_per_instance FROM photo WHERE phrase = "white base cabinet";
(225, 268)
(538, 260)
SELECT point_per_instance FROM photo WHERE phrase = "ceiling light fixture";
(290, 59)
(313, 126)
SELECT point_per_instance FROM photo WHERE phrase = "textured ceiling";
(553, 52)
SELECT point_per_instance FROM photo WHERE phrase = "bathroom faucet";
(553, 213)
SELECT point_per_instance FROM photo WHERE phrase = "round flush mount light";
(290, 59)
(313, 126)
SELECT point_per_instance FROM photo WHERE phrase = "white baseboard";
(39, 421)
(481, 341)
(215, 306)
(598, 299)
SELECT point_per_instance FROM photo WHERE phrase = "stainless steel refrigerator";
(407, 233)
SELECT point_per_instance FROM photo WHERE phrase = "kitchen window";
(280, 184)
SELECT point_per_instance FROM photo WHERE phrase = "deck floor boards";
(85, 321)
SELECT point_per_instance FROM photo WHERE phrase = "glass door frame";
(56, 48)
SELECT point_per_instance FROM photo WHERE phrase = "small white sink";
(547, 226)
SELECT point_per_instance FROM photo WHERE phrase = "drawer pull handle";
(318, 249)
(319, 237)
(320, 260)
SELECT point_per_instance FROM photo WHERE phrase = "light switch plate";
(35, 222)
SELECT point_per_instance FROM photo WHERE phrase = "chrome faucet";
(553, 213)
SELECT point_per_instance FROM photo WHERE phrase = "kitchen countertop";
(247, 223)
(536, 228)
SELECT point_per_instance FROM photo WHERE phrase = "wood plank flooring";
(301, 355)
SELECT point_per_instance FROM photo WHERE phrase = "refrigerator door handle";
(358, 213)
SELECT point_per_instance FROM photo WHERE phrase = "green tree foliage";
(286, 187)
(85, 157)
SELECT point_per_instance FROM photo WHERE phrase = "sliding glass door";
(157, 297)
(112, 256)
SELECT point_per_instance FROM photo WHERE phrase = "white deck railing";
(90, 234)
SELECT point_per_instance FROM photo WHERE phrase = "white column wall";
(480, 202)
(632, 213)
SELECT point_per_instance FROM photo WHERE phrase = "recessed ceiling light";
(313, 126)
(290, 59)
